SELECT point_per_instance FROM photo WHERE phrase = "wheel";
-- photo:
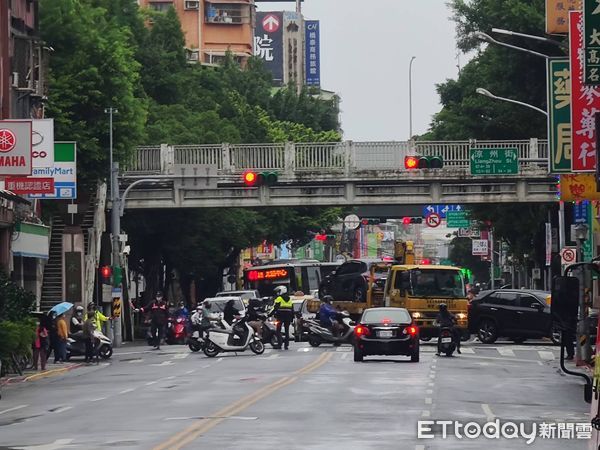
(323, 291)
(194, 346)
(210, 349)
(359, 293)
(556, 335)
(257, 347)
(105, 351)
(519, 340)
(415, 354)
(449, 352)
(358, 355)
(276, 341)
(426, 338)
(313, 341)
(488, 331)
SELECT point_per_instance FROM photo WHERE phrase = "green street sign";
(494, 161)
(559, 115)
(591, 42)
(458, 219)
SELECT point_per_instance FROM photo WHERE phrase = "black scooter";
(270, 335)
(319, 334)
(447, 344)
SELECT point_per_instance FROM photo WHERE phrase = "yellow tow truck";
(421, 288)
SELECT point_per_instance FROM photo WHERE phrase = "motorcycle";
(319, 334)
(448, 345)
(270, 334)
(238, 338)
(76, 345)
(176, 330)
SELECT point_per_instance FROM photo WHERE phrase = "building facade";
(213, 27)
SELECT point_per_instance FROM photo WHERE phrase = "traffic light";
(423, 162)
(324, 237)
(252, 178)
(412, 220)
(106, 275)
(365, 222)
(117, 278)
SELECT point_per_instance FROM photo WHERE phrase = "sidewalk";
(32, 375)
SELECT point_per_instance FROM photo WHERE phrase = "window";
(527, 301)
(437, 283)
(502, 298)
(161, 6)
(379, 315)
(227, 13)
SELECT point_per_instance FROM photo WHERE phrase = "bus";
(302, 275)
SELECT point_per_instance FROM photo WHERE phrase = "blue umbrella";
(62, 308)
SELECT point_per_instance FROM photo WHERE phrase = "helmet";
(198, 308)
(443, 307)
(159, 294)
(327, 298)
(79, 309)
(280, 290)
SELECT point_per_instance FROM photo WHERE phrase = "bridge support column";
(533, 148)
(350, 194)
(289, 160)
(349, 157)
(167, 159)
(436, 192)
(522, 190)
(226, 158)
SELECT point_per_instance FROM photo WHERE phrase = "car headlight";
(416, 315)
(461, 316)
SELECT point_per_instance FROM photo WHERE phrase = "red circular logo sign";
(8, 140)
(270, 23)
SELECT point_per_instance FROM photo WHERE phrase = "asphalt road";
(301, 398)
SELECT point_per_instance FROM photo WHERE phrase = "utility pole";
(491, 237)
(410, 118)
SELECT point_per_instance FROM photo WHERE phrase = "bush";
(15, 302)
(15, 337)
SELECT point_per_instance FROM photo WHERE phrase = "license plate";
(446, 340)
(385, 334)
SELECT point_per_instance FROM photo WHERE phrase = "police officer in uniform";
(284, 311)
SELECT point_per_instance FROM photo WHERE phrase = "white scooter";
(238, 338)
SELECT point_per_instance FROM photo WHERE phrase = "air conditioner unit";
(15, 80)
(193, 55)
(191, 5)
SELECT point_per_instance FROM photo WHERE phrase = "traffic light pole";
(116, 244)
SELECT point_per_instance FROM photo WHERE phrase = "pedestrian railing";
(346, 157)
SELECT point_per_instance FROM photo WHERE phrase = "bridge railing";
(334, 157)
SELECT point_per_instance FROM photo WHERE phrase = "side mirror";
(537, 306)
(565, 302)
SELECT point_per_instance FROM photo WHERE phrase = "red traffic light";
(250, 178)
(321, 237)
(106, 271)
(406, 221)
(411, 162)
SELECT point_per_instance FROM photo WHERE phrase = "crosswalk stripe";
(467, 350)
(546, 355)
(506, 352)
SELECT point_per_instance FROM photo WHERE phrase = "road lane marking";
(430, 384)
(467, 350)
(343, 349)
(181, 355)
(193, 370)
(127, 391)
(496, 358)
(489, 415)
(150, 383)
(546, 355)
(164, 363)
(305, 349)
(170, 378)
(273, 356)
(506, 352)
(429, 391)
(345, 355)
(14, 408)
(194, 431)
(61, 409)
(428, 401)
(97, 399)
(206, 366)
(426, 413)
(420, 447)
(133, 361)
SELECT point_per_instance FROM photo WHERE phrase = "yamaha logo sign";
(15, 147)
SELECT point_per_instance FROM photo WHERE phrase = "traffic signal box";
(111, 275)
(252, 178)
(423, 162)
(411, 220)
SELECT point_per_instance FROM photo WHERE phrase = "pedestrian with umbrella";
(62, 332)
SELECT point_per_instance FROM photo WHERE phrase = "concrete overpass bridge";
(330, 174)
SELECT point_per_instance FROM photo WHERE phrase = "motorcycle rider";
(158, 318)
(77, 320)
(230, 312)
(97, 316)
(201, 318)
(182, 311)
(255, 317)
(445, 319)
(327, 314)
(284, 311)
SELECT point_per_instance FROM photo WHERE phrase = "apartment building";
(213, 27)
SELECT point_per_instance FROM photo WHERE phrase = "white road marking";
(164, 363)
(305, 349)
(343, 349)
(546, 355)
(206, 366)
(428, 401)
(506, 352)
(220, 359)
(181, 355)
(497, 358)
(97, 399)
(420, 447)
(62, 409)
(489, 415)
(429, 391)
(170, 378)
(150, 383)
(13, 409)
(193, 370)
(467, 350)
(59, 444)
(273, 356)
(126, 391)
(344, 355)
(426, 413)
(133, 361)
(430, 384)
(432, 376)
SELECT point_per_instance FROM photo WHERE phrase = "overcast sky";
(366, 47)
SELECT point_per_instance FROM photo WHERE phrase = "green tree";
(92, 68)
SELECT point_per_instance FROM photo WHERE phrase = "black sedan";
(386, 331)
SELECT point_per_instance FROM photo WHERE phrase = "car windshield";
(219, 305)
(386, 315)
(246, 295)
(437, 283)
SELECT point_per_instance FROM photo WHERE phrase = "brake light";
(412, 330)
(361, 330)
(386, 321)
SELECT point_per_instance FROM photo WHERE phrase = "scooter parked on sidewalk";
(319, 334)
(447, 341)
(238, 338)
(76, 345)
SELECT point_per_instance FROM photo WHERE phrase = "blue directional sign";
(580, 212)
(441, 210)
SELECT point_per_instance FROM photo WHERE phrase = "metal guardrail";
(338, 157)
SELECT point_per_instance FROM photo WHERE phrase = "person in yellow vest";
(97, 316)
(284, 311)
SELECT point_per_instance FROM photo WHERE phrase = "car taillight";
(361, 330)
(411, 330)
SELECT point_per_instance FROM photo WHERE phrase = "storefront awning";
(31, 240)
(8, 195)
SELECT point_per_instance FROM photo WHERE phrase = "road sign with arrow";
(494, 161)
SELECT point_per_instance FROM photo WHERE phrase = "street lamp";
(490, 40)
(527, 36)
(487, 93)
(410, 122)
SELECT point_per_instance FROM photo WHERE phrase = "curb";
(39, 375)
